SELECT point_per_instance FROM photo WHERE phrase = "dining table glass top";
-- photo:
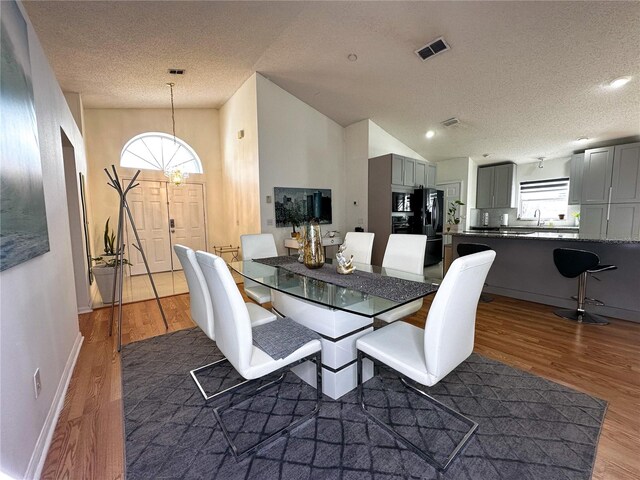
(328, 294)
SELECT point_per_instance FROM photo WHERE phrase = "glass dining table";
(338, 308)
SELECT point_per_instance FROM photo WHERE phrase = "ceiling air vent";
(432, 49)
(450, 122)
(176, 71)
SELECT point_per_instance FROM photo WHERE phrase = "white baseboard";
(34, 469)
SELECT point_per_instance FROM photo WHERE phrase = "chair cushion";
(401, 347)
(258, 293)
(262, 364)
(400, 312)
(259, 315)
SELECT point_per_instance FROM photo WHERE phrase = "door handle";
(172, 223)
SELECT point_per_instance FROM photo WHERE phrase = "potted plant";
(105, 267)
(576, 216)
(293, 215)
(453, 216)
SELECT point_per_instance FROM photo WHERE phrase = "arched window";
(159, 151)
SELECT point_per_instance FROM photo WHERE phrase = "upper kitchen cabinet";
(496, 186)
(625, 178)
(596, 175)
(575, 178)
(611, 175)
(403, 170)
(425, 174)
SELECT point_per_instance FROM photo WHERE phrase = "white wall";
(381, 143)
(108, 130)
(299, 147)
(464, 170)
(556, 168)
(39, 327)
(240, 208)
(356, 172)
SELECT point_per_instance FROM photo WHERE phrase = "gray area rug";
(529, 427)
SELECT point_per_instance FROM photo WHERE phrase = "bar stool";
(469, 249)
(572, 263)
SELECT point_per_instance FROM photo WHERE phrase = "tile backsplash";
(495, 216)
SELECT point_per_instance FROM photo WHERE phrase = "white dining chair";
(235, 341)
(360, 245)
(201, 305)
(427, 355)
(199, 299)
(404, 253)
(260, 245)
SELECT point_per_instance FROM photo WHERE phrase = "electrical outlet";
(37, 385)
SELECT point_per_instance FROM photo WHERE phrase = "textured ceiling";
(524, 78)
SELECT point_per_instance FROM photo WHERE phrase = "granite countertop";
(569, 228)
(523, 235)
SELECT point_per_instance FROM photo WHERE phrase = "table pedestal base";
(339, 331)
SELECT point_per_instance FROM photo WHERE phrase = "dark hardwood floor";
(602, 361)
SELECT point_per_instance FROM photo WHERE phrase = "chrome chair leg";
(231, 389)
(405, 441)
(578, 314)
(241, 455)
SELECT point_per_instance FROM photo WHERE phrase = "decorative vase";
(301, 245)
(313, 249)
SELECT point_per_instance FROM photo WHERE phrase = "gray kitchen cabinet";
(397, 169)
(409, 177)
(624, 221)
(496, 186)
(425, 174)
(421, 174)
(596, 175)
(611, 192)
(575, 178)
(403, 170)
(593, 219)
(625, 178)
(431, 176)
(484, 196)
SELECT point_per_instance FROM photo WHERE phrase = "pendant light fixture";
(175, 175)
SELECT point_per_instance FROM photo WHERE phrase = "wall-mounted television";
(301, 205)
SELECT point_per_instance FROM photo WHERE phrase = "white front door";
(186, 218)
(148, 205)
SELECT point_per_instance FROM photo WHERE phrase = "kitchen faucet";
(539, 214)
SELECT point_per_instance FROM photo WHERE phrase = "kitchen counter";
(541, 235)
(524, 269)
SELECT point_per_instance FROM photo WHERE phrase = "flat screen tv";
(299, 205)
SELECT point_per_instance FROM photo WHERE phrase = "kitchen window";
(551, 197)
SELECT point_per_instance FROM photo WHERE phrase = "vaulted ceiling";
(525, 79)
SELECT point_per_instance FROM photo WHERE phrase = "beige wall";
(240, 208)
(108, 130)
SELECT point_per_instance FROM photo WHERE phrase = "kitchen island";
(524, 269)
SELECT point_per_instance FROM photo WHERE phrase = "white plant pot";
(452, 228)
(104, 279)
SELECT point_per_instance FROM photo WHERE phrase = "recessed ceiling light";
(430, 134)
(619, 82)
(582, 140)
(352, 57)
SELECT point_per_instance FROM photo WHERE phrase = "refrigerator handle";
(434, 217)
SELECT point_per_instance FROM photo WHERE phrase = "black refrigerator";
(427, 206)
